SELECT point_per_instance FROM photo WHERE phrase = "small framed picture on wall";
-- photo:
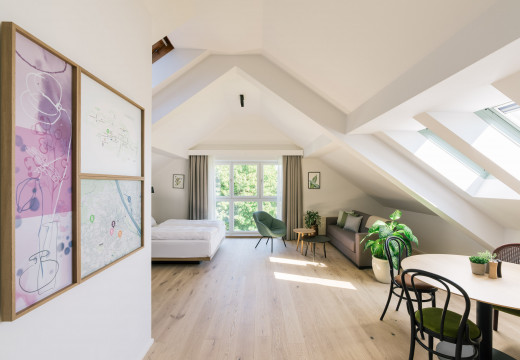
(178, 181)
(314, 180)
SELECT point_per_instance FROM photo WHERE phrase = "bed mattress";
(187, 239)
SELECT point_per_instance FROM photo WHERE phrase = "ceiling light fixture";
(241, 100)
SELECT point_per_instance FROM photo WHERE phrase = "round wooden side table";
(301, 234)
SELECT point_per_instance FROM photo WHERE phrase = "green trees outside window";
(243, 188)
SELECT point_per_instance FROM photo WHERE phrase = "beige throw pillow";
(353, 222)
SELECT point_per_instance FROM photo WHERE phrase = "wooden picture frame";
(314, 180)
(106, 218)
(37, 188)
(40, 180)
(178, 181)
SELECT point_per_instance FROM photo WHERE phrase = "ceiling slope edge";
(262, 70)
(490, 32)
(426, 190)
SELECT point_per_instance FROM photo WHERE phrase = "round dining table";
(504, 291)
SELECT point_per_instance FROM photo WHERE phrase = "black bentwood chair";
(441, 323)
(509, 253)
(396, 250)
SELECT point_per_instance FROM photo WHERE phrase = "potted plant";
(312, 220)
(383, 230)
(479, 262)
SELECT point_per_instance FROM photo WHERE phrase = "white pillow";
(154, 223)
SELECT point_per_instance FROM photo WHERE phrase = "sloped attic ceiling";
(382, 94)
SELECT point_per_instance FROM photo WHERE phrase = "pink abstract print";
(43, 183)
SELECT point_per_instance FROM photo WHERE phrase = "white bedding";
(178, 239)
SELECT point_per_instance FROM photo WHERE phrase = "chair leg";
(412, 341)
(259, 241)
(400, 299)
(324, 251)
(495, 320)
(430, 345)
(283, 238)
(433, 299)
(267, 242)
(271, 244)
(387, 301)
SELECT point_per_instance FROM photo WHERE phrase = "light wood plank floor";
(249, 304)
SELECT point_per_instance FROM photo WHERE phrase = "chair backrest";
(263, 222)
(509, 253)
(396, 250)
(442, 283)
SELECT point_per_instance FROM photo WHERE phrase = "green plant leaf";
(396, 215)
(385, 231)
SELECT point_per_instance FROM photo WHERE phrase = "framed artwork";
(68, 211)
(110, 180)
(111, 222)
(178, 181)
(314, 180)
(37, 179)
(111, 130)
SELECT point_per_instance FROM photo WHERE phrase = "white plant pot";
(381, 270)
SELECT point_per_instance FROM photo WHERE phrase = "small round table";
(313, 241)
(301, 234)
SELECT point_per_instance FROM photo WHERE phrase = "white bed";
(186, 240)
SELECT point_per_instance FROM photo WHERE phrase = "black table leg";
(484, 319)
(484, 322)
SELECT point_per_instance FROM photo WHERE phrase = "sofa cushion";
(346, 237)
(342, 217)
(353, 223)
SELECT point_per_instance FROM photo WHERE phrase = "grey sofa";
(348, 242)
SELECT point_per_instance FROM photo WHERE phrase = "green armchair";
(269, 227)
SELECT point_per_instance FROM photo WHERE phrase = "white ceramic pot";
(381, 270)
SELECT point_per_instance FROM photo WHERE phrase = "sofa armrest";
(360, 246)
(364, 258)
(331, 221)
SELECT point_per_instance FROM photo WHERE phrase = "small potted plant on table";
(480, 262)
(312, 221)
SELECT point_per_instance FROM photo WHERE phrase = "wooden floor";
(250, 304)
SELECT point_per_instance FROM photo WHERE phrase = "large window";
(243, 188)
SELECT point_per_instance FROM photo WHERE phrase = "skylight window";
(501, 140)
(449, 162)
(511, 111)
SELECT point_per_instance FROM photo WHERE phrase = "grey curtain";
(292, 211)
(198, 189)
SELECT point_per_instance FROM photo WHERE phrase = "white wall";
(436, 235)
(336, 192)
(167, 202)
(108, 316)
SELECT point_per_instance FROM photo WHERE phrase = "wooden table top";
(503, 291)
(304, 231)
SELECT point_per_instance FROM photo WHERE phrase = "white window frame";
(259, 198)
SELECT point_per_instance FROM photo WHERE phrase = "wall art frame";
(38, 234)
(99, 173)
(40, 180)
(178, 181)
(314, 180)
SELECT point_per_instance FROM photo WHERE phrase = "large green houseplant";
(376, 238)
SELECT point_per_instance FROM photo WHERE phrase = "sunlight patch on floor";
(313, 280)
(295, 262)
